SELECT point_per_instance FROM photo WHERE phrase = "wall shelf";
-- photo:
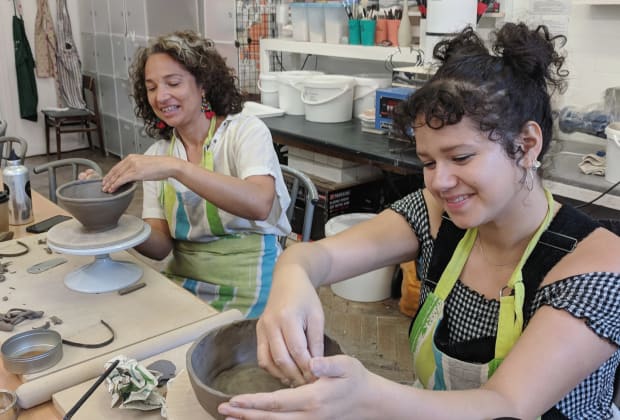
(598, 2)
(359, 52)
(497, 15)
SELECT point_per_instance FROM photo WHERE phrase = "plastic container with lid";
(299, 21)
(316, 22)
(365, 87)
(290, 86)
(268, 86)
(369, 287)
(335, 23)
(328, 98)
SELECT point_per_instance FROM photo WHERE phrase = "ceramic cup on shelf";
(381, 31)
(355, 35)
(367, 31)
(392, 31)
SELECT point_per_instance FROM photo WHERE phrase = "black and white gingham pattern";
(413, 208)
(594, 297)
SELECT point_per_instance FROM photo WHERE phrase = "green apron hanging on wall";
(24, 67)
(232, 271)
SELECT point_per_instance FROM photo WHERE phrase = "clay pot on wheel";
(96, 210)
(222, 363)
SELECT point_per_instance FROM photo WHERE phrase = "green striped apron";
(232, 271)
(438, 371)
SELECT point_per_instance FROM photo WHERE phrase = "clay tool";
(90, 391)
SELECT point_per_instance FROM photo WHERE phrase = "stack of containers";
(335, 22)
(299, 21)
(316, 22)
(328, 98)
(268, 86)
(365, 87)
(290, 86)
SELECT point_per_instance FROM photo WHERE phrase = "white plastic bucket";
(299, 21)
(365, 87)
(268, 86)
(290, 85)
(328, 98)
(369, 287)
(336, 25)
(612, 155)
(316, 22)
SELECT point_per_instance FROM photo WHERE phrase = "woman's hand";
(138, 168)
(88, 174)
(290, 331)
(344, 390)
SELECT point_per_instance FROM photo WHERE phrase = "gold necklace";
(488, 260)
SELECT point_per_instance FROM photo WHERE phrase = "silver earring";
(530, 174)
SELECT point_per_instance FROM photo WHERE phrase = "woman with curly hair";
(520, 294)
(214, 194)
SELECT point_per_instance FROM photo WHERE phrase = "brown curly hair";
(200, 58)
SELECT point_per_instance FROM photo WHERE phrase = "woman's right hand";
(290, 331)
(88, 174)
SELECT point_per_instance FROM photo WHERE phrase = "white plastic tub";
(365, 87)
(299, 21)
(268, 86)
(328, 98)
(290, 86)
(612, 155)
(316, 22)
(369, 287)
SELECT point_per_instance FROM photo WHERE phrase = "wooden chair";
(75, 120)
(52, 176)
(8, 143)
(300, 180)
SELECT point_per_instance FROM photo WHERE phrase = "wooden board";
(179, 395)
(182, 402)
(98, 405)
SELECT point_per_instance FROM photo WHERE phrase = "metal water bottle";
(17, 185)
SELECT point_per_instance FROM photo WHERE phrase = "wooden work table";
(154, 319)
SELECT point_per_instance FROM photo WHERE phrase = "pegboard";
(256, 19)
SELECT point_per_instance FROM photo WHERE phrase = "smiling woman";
(519, 294)
(214, 194)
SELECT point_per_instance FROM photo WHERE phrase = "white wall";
(33, 132)
(593, 60)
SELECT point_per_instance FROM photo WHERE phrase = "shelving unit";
(358, 52)
(598, 2)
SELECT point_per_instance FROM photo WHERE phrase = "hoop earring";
(205, 107)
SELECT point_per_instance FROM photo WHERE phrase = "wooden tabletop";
(42, 209)
(165, 316)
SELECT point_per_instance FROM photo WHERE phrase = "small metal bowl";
(31, 351)
(9, 409)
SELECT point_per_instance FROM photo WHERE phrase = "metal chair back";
(52, 175)
(299, 180)
(8, 143)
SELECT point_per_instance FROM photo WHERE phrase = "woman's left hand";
(343, 390)
(138, 168)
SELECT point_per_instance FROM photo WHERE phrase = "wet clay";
(245, 379)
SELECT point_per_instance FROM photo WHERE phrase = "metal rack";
(256, 19)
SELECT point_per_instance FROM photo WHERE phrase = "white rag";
(592, 164)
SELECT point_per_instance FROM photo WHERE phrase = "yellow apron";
(438, 371)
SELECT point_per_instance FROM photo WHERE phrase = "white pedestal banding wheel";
(104, 274)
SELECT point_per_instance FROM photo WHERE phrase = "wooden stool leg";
(47, 137)
(90, 140)
(100, 134)
(57, 142)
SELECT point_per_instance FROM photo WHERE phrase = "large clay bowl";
(96, 210)
(222, 363)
